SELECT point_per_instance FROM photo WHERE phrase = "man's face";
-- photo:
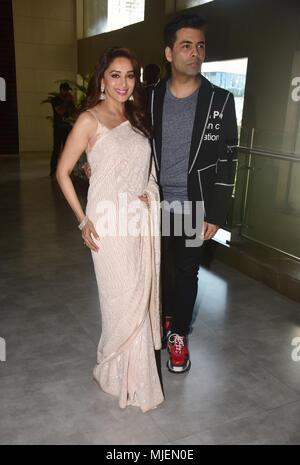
(188, 52)
(64, 92)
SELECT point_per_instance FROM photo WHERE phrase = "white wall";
(46, 50)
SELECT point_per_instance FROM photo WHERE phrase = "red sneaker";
(179, 361)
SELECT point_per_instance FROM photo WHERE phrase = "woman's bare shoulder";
(87, 122)
(86, 117)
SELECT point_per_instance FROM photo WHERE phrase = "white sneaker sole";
(178, 369)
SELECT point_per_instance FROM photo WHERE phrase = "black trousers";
(60, 135)
(180, 265)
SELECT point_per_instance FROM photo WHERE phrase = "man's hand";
(209, 230)
(144, 198)
(87, 169)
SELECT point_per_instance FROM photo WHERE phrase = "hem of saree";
(129, 404)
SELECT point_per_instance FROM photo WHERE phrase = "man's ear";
(169, 54)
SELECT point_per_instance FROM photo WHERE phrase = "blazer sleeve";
(218, 207)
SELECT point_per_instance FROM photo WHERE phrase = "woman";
(114, 131)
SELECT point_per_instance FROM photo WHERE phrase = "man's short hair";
(152, 68)
(179, 22)
(65, 86)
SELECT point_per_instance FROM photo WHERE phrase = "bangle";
(83, 223)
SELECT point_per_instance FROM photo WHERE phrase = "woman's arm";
(84, 128)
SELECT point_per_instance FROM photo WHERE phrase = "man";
(151, 77)
(151, 74)
(63, 107)
(195, 132)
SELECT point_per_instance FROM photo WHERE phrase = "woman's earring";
(102, 95)
(131, 99)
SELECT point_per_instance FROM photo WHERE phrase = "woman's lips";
(121, 92)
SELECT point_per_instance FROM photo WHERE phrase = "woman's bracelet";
(83, 222)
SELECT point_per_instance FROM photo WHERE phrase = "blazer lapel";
(157, 104)
(204, 102)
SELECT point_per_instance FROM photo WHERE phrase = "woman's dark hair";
(136, 110)
(179, 22)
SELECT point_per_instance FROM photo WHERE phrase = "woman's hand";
(87, 233)
(144, 198)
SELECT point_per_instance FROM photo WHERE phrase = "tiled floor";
(243, 387)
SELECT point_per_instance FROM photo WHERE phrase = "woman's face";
(119, 80)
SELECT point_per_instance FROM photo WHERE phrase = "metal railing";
(266, 153)
(290, 157)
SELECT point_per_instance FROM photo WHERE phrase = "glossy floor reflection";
(243, 387)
